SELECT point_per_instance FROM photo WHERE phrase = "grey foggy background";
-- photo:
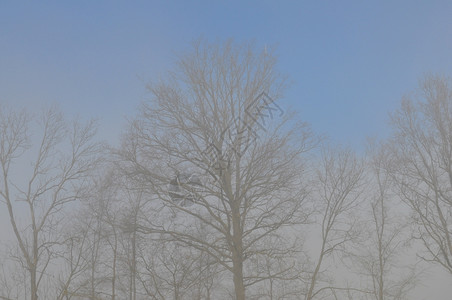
(349, 63)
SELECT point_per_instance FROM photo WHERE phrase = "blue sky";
(350, 62)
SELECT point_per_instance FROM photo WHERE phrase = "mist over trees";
(219, 191)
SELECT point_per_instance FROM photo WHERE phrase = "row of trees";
(216, 192)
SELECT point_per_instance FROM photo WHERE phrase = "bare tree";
(280, 285)
(98, 221)
(72, 263)
(422, 166)
(11, 281)
(378, 257)
(338, 192)
(131, 243)
(174, 271)
(215, 133)
(109, 207)
(63, 157)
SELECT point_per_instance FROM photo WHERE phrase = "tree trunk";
(33, 269)
(237, 256)
(33, 282)
(113, 280)
(239, 287)
(316, 272)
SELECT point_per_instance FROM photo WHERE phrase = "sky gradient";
(349, 62)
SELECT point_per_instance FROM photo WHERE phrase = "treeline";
(219, 192)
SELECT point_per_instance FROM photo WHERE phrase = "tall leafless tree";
(378, 256)
(99, 221)
(214, 120)
(72, 264)
(339, 186)
(422, 166)
(63, 156)
(174, 271)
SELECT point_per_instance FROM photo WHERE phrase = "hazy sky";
(350, 62)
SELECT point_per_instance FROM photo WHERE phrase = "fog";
(167, 151)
